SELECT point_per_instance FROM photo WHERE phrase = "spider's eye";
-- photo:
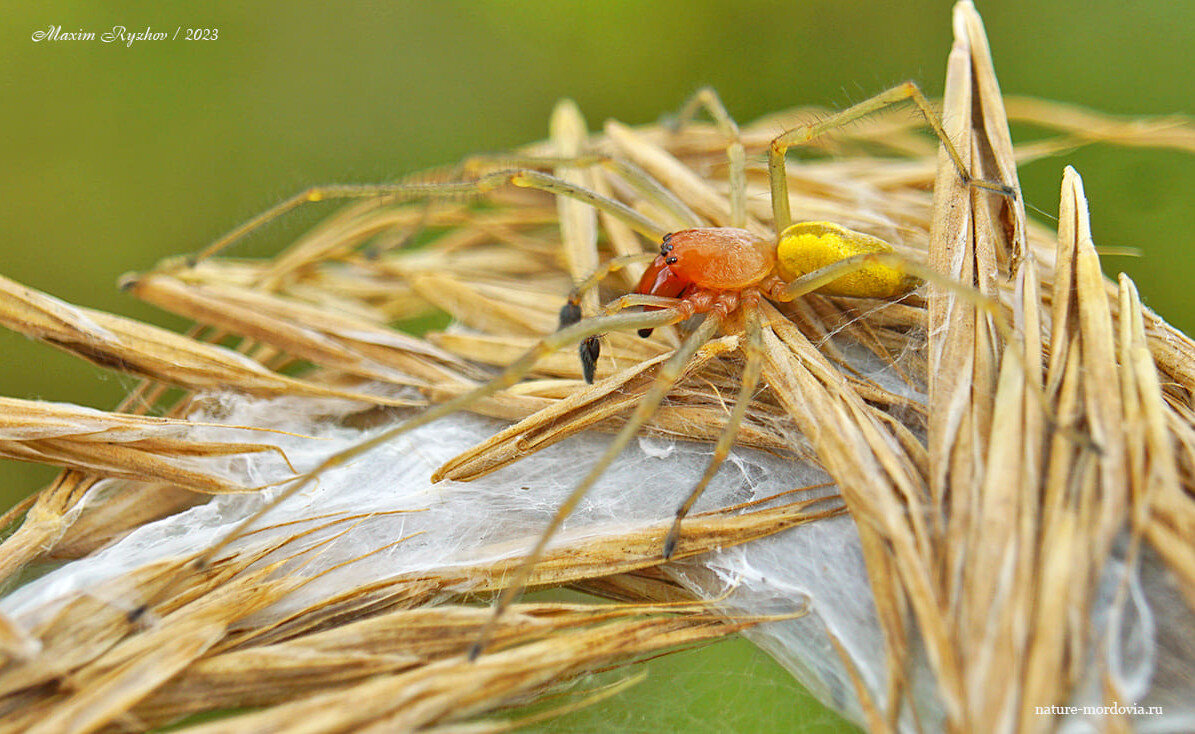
(672, 260)
(665, 248)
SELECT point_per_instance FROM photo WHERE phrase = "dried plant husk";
(1016, 454)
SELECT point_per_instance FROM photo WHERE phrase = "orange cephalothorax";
(716, 258)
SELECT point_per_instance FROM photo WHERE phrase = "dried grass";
(1042, 476)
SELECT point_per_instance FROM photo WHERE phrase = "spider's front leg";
(447, 190)
(777, 160)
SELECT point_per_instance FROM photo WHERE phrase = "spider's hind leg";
(902, 274)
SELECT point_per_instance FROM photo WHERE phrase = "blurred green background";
(116, 156)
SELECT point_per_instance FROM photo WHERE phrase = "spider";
(720, 274)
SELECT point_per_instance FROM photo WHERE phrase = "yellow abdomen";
(808, 246)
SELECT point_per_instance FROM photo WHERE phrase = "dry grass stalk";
(138, 448)
(147, 351)
(990, 525)
(193, 656)
(316, 335)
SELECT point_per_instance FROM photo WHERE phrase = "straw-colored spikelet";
(1019, 476)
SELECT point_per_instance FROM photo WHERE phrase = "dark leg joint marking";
(570, 313)
(670, 545)
(590, 350)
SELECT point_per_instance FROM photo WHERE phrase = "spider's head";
(660, 279)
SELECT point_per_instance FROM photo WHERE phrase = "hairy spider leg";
(802, 134)
(895, 262)
(641, 181)
(516, 371)
(752, 347)
(414, 191)
(570, 313)
(639, 299)
(667, 376)
(591, 281)
(708, 99)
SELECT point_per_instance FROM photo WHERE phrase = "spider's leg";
(911, 271)
(914, 270)
(591, 348)
(417, 191)
(753, 349)
(805, 133)
(638, 299)
(899, 273)
(667, 376)
(512, 374)
(708, 99)
(570, 313)
(544, 182)
(681, 216)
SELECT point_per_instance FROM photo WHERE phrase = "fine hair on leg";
(415, 191)
(811, 282)
(777, 161)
